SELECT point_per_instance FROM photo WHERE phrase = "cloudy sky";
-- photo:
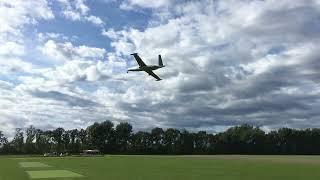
(228, 62)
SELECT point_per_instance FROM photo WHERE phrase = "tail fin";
(160, 61)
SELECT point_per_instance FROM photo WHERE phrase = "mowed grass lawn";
(166, 167)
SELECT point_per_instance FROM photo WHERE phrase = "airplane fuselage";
(146, 68)
(150, 67)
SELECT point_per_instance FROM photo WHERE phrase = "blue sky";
(228, 62)
(108, 12)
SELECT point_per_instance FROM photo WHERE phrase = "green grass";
(32, 164)
(52, 174)
(169, 167)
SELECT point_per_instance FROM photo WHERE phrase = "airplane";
(148, 69)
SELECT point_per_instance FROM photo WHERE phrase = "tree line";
(120, 139)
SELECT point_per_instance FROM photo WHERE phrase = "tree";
(157, 135)
(172, 141)
(212, 140)
(201, 142)
(31, 135)
(83, 137)
(17, 141)
(43, 141)
(187, 142)
(57, 139)
(3, 139)
(141, 143)
(101, 136)
(74, 141)
(3, 143)
(244, 139)
(66, 140)
(123, 134)
(311, 141)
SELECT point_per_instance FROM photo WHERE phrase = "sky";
(228, 62)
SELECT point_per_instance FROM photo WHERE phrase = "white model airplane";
(148, 69)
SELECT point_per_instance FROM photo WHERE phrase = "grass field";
(161, 168)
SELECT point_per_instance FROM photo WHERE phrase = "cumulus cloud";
(131, 4)
(35, 107)
(32, 94)
(42, 37)
(67, 51)
(77, 10)
(227, 63)
(15, 14)
(94, 19)
(11, 49)
(15, 65)
(78, 71)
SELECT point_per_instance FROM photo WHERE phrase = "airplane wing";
(138, 59)
(150, 72)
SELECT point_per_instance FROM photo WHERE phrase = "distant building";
(91, 152)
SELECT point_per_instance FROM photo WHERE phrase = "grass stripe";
(52, 174)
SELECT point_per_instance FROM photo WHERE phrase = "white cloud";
(55, 36)
(31, 94)
(60, 92)
(79, 5)
(15, 14)
(11, 49)
(218, 51)
(75, 70)
(109, 33)
(227, 63)
(77, 10)
(74, 16)
(15, 65)
(61, 52)
(131, 4)
(94, 19)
